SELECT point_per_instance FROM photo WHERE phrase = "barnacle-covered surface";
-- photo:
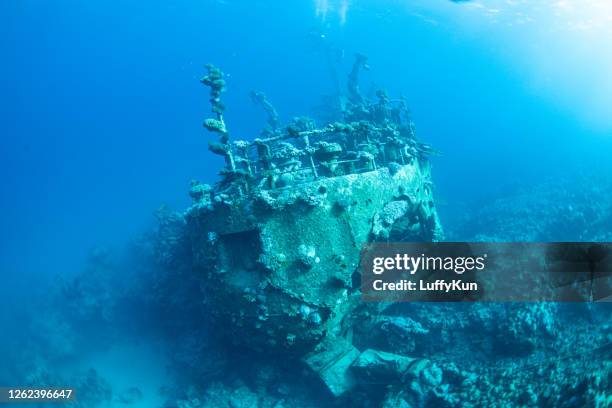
(281, 265)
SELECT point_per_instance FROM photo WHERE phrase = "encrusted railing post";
(309, 151)
(214, 80)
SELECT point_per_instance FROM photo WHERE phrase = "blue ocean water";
(101, 111)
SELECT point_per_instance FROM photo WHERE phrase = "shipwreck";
(278, 238)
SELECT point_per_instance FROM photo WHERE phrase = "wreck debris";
(332, 361)
(259, 98)
(390, 368)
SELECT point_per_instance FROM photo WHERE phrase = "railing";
(301, 156)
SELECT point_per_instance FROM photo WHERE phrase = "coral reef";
(568, 208)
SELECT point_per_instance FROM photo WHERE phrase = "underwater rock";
(399, 334)
(93, 390)
(520, 334)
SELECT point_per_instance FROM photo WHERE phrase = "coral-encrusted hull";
(281, 264)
